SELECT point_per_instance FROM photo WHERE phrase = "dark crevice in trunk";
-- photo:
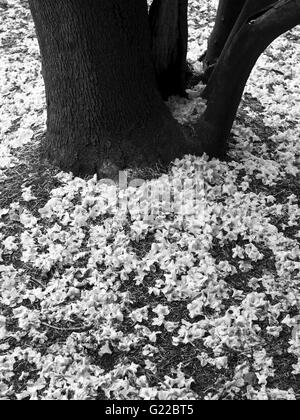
(169, 33)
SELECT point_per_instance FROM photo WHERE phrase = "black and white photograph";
(150, 203)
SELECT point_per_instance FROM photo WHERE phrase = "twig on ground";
(74, 329)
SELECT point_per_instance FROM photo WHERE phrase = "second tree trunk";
(169, 31)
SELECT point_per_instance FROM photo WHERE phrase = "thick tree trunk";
(227, 15)
(169, 29)
(233, 69)
(104, 110)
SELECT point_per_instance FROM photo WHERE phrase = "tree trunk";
(104, 110)
(251, 10)
(169, 29)
(233, 69)
(227, 15)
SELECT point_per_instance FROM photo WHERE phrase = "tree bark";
(169, 31)
(104, 110)
(250, 10)
(226, 85)
(227, 15)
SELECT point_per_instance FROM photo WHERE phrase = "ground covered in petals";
(198, 300)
